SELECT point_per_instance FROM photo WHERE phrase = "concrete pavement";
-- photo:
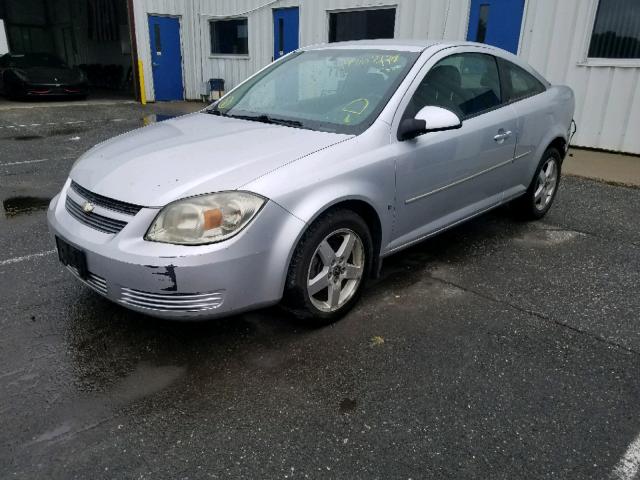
(604, 166)
(499, 349)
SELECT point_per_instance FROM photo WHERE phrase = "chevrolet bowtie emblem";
(88, 207)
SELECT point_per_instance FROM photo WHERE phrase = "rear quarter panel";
(540, 120)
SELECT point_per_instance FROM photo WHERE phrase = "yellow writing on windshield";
(378, 59)
(226, 102)
(355, 107)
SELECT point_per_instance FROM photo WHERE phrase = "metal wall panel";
(555, 41)
(414, 19)
(555, 38)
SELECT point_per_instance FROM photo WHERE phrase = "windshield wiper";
(268, 119)
(215, 111)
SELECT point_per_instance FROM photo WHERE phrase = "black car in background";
(40, 75)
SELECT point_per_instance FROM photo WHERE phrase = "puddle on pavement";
(146, 380)
(143, 381)
(24, 205)
(548, 237)
(347, 405)
(68, 131)
(26, 137)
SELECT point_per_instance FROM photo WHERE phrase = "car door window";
(466, 83)
(518, 83)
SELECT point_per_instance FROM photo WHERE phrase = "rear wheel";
(537, 201)
(329, 268)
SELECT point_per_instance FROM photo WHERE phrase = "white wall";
(414, 18)
(555, 41)
(4, 46)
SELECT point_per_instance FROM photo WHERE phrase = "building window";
(229, 37)
(362, 24)
(616, 32)
(483, 19)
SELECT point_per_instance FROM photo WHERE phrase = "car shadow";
(108, 340)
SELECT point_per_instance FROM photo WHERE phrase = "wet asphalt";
(499, 349)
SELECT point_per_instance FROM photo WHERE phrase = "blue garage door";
(166, 57)
(496, 22)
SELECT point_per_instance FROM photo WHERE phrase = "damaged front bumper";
(182, 282)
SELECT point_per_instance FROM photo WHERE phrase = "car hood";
(191, 155)
(51, 74)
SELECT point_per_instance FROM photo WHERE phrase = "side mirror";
(428, 119)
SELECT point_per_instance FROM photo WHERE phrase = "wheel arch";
(364, 209)
(559, 143)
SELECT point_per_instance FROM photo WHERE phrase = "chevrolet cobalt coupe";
(295, 185)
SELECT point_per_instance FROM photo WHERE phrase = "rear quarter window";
(518, 83)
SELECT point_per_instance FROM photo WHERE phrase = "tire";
(539, 197)
(338, 280)
(11, 91)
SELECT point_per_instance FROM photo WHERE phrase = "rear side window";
(466, 83)
(518, 83)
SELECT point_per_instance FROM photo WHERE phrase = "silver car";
(295, 185)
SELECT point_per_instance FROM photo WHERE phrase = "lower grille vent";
(94, 281)
(176, 302)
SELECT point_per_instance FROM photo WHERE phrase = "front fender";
(361, 169)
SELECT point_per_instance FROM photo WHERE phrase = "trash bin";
(216, 88)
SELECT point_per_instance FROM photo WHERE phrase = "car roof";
(409, 45)
(419, 46)
(384, 44)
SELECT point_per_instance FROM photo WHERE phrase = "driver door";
(445, 177)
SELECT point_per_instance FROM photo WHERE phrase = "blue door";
(496, 22)
(166, 57)
(285, 31)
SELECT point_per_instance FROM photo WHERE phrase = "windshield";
(331, 90)
(34, 60)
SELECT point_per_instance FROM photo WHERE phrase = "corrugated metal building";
(591, 45)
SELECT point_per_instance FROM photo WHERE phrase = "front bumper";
(54, 90)
(183, 282)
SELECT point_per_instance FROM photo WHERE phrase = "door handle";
(154, 64)
(502, 136)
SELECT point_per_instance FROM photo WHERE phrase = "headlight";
(204, 219)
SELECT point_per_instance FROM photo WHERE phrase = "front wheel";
(329, 268)
(537, 200)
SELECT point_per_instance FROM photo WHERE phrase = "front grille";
(105, 202)
(172, 302)
(93, 220)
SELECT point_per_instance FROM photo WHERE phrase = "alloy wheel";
(336, 269)
(546, 184)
